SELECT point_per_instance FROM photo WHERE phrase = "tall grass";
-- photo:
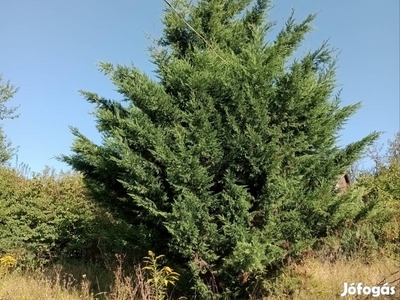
(318, 279)
(72, 281)
(314, 279)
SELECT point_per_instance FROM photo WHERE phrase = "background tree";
(231, 155)
(378, 226)
(7, 91)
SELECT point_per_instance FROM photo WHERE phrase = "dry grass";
(38, 287)
(323, 280)
(312, 280)
(56, 283)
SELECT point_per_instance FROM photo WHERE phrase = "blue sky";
(50, 49)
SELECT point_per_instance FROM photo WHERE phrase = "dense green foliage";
(7, 91)
(51, 217)
(374, 228)
(381, 215)
(230, 156)
(37, 214)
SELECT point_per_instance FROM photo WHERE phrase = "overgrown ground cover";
(63, 248)
(313, 279)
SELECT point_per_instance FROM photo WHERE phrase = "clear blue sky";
(50, 49)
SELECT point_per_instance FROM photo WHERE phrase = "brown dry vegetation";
(315, 279)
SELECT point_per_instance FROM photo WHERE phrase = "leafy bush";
(51, 216)
(45, 215)
(382, 196)
(375, 223)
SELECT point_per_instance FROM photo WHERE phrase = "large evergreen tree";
(231, 155)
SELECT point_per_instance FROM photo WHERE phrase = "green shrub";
(382, 198)
(51, 216)
(374, 223)
(44, 215)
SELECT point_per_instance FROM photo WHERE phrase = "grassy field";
(314, 279)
